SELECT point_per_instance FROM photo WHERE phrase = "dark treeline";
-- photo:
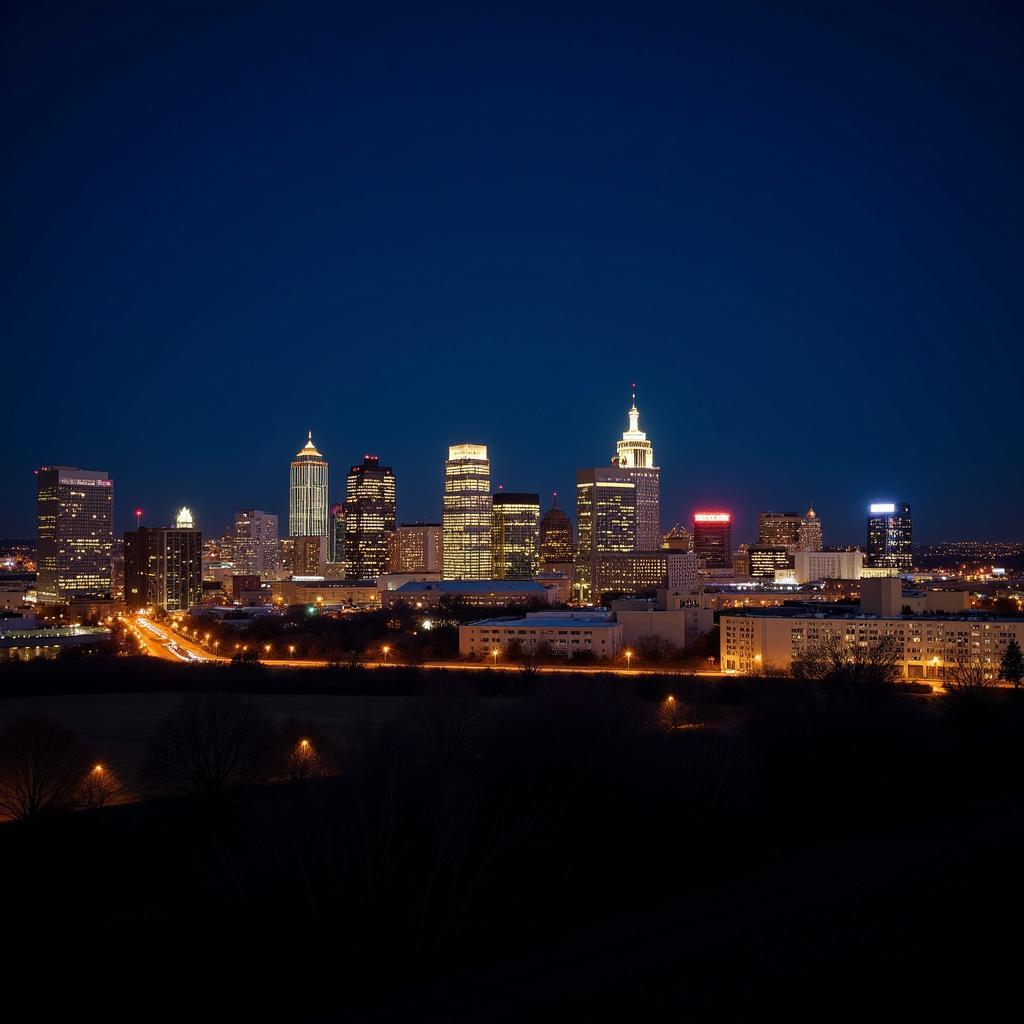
(452, 836)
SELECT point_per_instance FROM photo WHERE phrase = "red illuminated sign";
(712, 517)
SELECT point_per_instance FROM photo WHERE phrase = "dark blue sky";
(798, 229)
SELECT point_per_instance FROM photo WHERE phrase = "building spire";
(634, 415)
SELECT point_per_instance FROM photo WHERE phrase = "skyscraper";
(636, 455)
(163, 566)
(416, 547)
(307, 493)
(466, 517)
(810, 532)
(336, 525)
(255, 547)
(605, 523)
(515, 535)
(779, 529)
(889, 536)
(76, 534)
(712, 538)
(556, 547)
(369, 518)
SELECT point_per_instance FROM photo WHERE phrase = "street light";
(266, 648)
(387, 651)
(629, 657)
(291, 650)
(494, 656)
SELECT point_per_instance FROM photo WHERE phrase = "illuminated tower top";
(634, 450)
(308, 450)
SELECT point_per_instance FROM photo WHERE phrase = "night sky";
(798, 231)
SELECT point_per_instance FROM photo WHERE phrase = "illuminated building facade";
(712, 538)
(827, 565)
(556, 540)
(635, 454)
(765, 560)
(255, 547)
(416, 547)
(515, 536)
(605, 523)
(925, 646)
(779, 530)
(810, 532)
(678, 539)
(309, 556)
(369, 519)
(307, 493)
(889, 536)
(163, 567)
(466, 513)
(76, 535)
(635, 572)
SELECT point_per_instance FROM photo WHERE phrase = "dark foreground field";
(591, 851)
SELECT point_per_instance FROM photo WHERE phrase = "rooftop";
(472, 587)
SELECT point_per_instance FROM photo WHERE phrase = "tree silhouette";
(304, 751)
(100, 787)
(42, 766)
(210, 743)
(1012, 666)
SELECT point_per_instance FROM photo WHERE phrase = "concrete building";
(478, 593)
(466, 515)
(556, 538)
(605, 524)
(23, 639)
(634, 572)
(256, 543)
(889, 536)
(307, 493)
(925, 646)
(779, 530)
(416, 547)
(317, 592)
(712, 539)
(810, 532)
(635, 455)
(74, 509)
(678, 539)
(163, 567)
(515, 535)
(559, 633)
(309, 556)
(764, 561)
(369, 518)
(672, 616)
(827, 565)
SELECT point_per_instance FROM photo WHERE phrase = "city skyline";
(639, 212)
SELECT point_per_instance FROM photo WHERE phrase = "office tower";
(889, 536)
(678, 539)
(810, 532)
(466, 516)
(309, 556)
(255, 543)
(605, 523)
(369, 518)
(712, 538)
(336, 524)
(416, 547)
(556, 547)
(764, 559)
(515, 536)
(163, 566)
(635, 454)
(307, 494)
(76, 534)
(778, 529)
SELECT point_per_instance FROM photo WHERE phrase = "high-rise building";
(416, 547)
(778, 529)
(255, 547)
(369, 518)
(307, 493)
(635, 454)
(336, 525)
(76, 534)
(810, 532)
(605, 523)
(515, 535)
(765, 559)
(556, 545)
(712, 538)
(163, 566)
(466, 517)
(889, 536)
(309, 556)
